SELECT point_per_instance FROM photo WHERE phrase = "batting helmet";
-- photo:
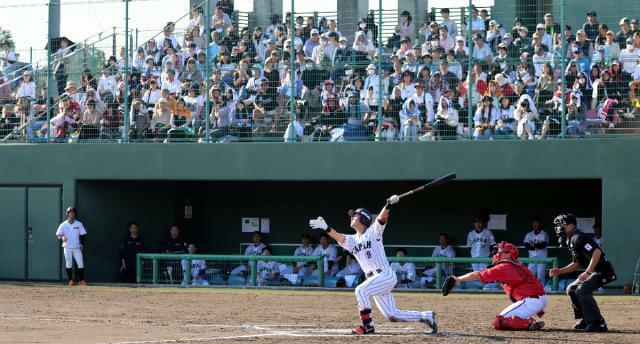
(559, 222)
(365, 216)
(506, 247)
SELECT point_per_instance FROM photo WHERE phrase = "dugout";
(113, 184)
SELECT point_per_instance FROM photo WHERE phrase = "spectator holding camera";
(525, 117)
(505, 123)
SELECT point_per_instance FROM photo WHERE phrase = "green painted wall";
(611, 161)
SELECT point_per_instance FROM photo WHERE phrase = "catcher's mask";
(505, 247)
(364, 216)
(559, 224)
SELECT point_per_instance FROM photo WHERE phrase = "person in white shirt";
(545, 38)
(481, 51)
(255, 249)
(6, 57)
(107, 86)
(484, 119)
(442, 250)
(172, 84)
(167, 39)
(536, 243)
(351, 267)
(152, 95)
(372, 79)
(424, 102)
(405, 271)
(304, 250)
(446, 41)
(72, 233)
(198, 267)
(27, 87)
(539, 59)
(629, 57)
(330, 254)
(450, 24)
(480, 240)
(268, 271)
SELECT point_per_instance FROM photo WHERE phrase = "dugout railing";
(244, 270)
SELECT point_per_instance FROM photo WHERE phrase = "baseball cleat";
(580, 325)
(431, 323)
(538, 325)
(362, 329)
(83, 282)
(72, 282)
(596, 327)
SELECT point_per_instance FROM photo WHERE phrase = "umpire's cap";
(365, 216)
(72, 209)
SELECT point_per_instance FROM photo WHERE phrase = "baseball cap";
(623, 20)
(634, 21)
(548, 15)
(539, 26)
(372, 66)
(315, 32)
(460, 38)
(343, 39)
(493, 23)
(477, 37)
(592, 13)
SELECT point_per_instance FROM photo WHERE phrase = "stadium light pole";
(469, 24)
(380, 91)
(207, 70)
(125, 134)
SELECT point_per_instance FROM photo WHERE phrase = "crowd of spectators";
(338, 85)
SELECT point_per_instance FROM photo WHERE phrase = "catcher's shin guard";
(511, 324)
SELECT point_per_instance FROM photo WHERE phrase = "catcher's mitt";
(448, 284)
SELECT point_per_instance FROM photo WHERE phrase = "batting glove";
(392, 200)
(318, 223)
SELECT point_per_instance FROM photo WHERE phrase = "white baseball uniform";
(197, 267)
(534, 238)
(267, 270)
(330, 254)
(352, 268)
(251, 250)
(72, 231)
(369, 252)
(447, 269)
(304, 252)
(404, 271)
(480, 244)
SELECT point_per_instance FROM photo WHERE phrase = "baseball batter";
(72, 234)
(524, 290)
(366, 245)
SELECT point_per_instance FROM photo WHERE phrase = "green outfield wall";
(113, 184)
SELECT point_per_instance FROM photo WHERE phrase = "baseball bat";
(430, 184)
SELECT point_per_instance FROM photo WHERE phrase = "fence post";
(438, 274)
(207, 72)
(187, 277)
(125, 134)
(469, 67)
(154, 278)
(253, 265)
(563, 118)
(138, 269)
(380, 84)
(554, 280)
(292, 81)
(113, 42)
(49, 83)
(321, 271)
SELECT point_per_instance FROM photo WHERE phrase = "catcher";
(518, 283)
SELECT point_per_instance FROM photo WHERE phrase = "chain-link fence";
(225, 71)
(312, 271)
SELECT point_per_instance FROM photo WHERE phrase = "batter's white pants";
(538, 270)
(379, 287)
(525, 308)
(73, 253)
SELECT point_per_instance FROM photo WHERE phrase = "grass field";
(96, 314)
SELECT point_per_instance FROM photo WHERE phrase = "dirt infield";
(57, 314)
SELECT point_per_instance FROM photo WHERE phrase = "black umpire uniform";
(585, 307)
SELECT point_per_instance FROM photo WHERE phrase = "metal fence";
(195, 77)
(308, 271)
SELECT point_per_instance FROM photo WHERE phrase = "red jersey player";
(520, 285)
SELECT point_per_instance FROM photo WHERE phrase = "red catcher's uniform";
(524, 289)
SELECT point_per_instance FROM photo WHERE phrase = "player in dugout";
(521, 286)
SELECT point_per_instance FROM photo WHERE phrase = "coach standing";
(72, 234)
(598, 272)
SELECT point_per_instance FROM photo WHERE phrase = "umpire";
(599, 271)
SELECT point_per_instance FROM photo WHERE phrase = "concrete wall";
(612, 161)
